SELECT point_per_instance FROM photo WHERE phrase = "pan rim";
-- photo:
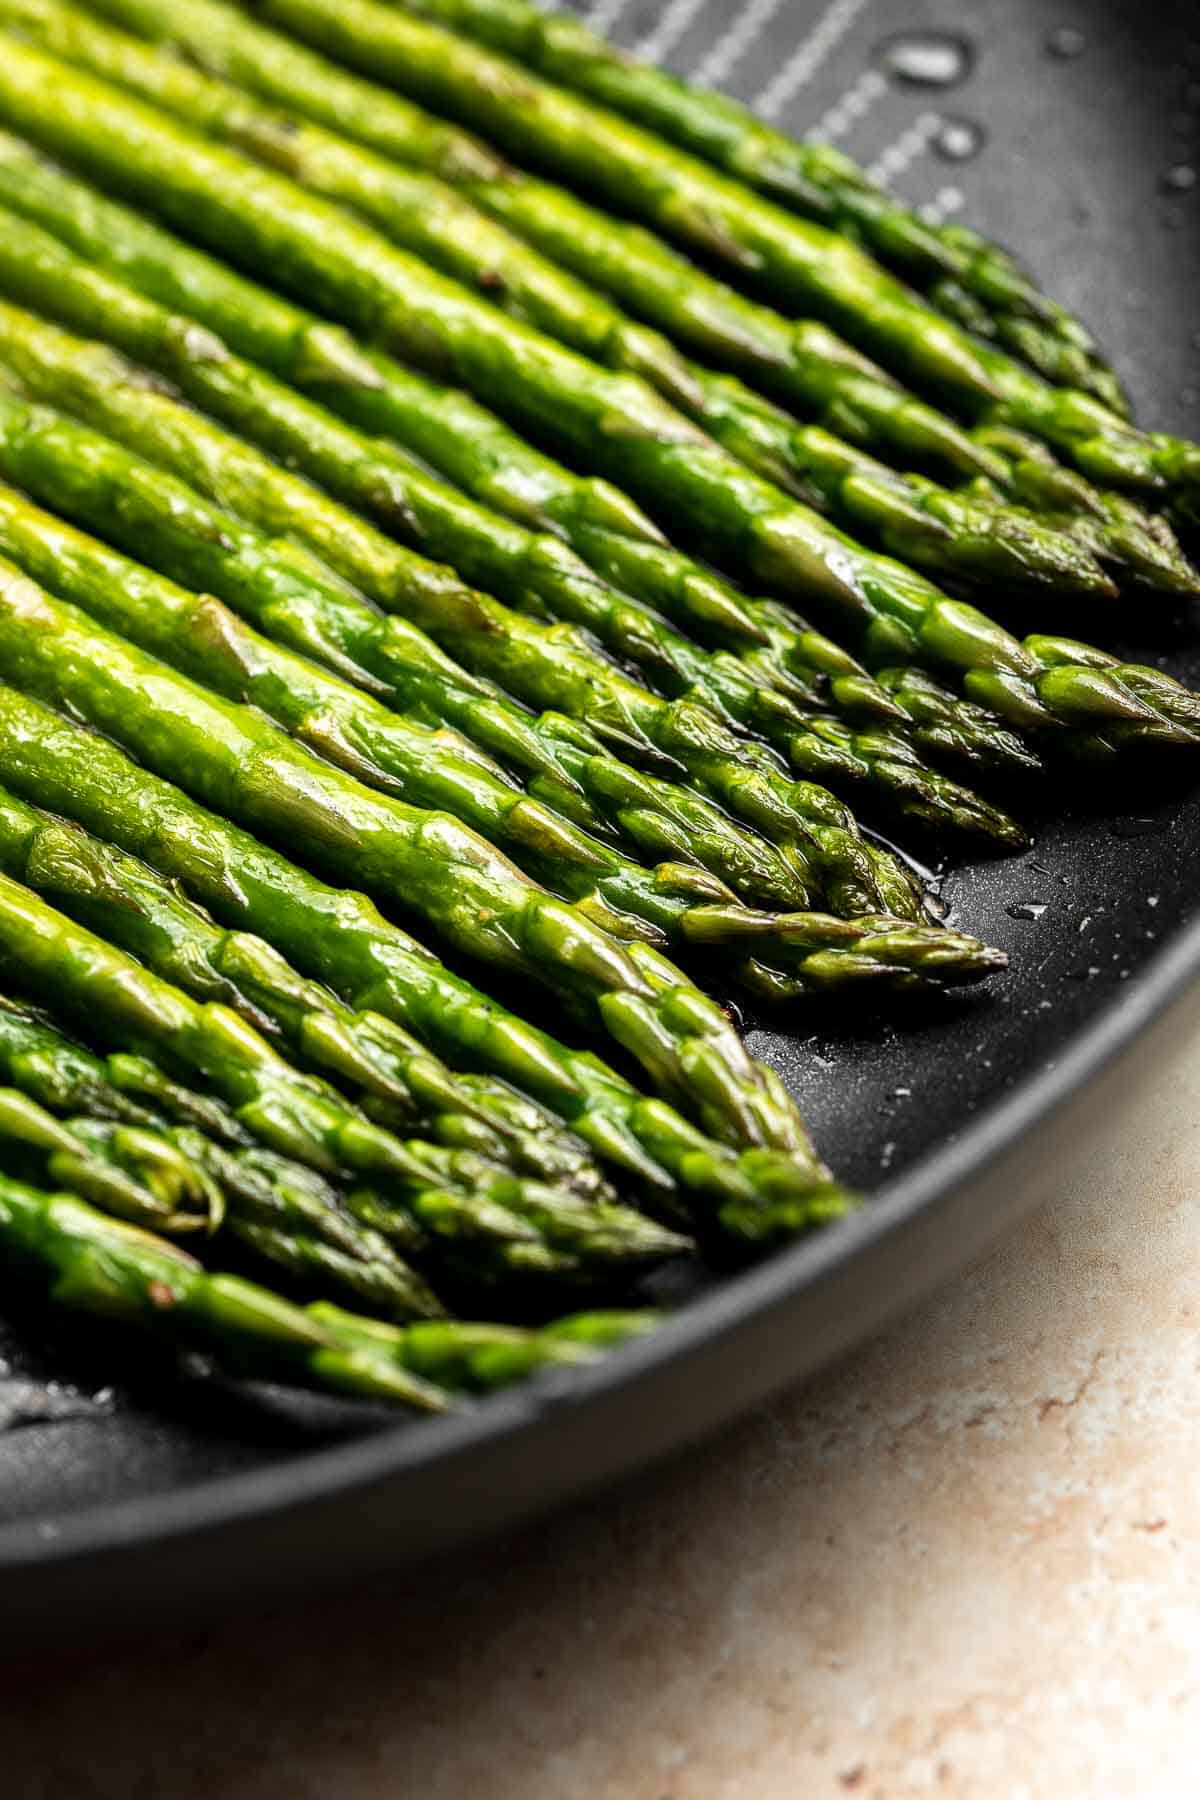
(326, 1475)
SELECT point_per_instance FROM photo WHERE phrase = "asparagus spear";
(338, 937)
(199, 636)
(481, 1358)
(473, 1209)
(125, 1090)
(549, 665)
(260, 1192)
(407, 1086)
(804, 364)
(610, 415)
(793, 261)
(437, 424)
(425, 861)
(806, 360)
(604, 155)
(1121, 532)
(808, 668)
(140, 1176)
(814, 179)
(425, 216)
(104, 1266)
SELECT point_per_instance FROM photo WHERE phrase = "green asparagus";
(100, 1265)
(803, 364)
(264, 218)
(141, 1176)
(124, 1090)
(809, 669)
(549, 665)
(793, 261)
(430, 1196)
(812, 178)
(136, 910)
(338, 937)
(55, 367)
(260, 1191)
(202, 638)
(426, 217)
(405, 1085)
(480, 1358)
(436, 424)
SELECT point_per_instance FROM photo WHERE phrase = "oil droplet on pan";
(959, 140)
(938, 59)
(1066, 42)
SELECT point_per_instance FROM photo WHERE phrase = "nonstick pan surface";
(127, 1494)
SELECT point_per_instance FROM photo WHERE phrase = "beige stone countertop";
(966, 1562)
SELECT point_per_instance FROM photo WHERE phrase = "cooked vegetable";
(914, 520)
(269, 222)
(338, 937)
(94, 1263)
(814, 179)
(140, 1175)
(444, 429)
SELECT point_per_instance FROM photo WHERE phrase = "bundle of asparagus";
(453, 541)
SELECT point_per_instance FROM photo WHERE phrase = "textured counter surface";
(965, 1562)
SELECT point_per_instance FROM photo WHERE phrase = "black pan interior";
(1080, 117)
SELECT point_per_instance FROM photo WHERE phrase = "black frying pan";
(168, 1496)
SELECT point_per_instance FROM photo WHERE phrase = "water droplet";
(1030, 910)
(1134, 827)
(1151, 899)
(959, 140)
(1181, 178)
(887, 1154)
(938, 59)
(1085, 924)
(902, 1093)
(1066, 42)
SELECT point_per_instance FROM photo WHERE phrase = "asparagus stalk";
(125, 1090)
(199, 636)
(260, 1192)
(406, 1086)
(426, 216)
(140, 1176)
(803, 364)
(424, 861)
(437, 424)
(266, 219)
(71, 966)
(793, 261)
(549, 665)
(100, 1265)
(806, 360)
(602, 154)
(813, 179)
(337, 936)
(807, 667)
(481, 1358)
(1122, 533)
